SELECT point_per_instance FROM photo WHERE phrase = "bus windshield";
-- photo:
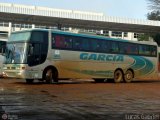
(21, 36)
(16, 53)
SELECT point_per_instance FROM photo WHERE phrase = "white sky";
(121, 8)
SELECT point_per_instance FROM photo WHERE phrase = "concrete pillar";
(110, 33)
(122, 35)
(101, 32)
(33, 26)
(70, 29)
(10, 29)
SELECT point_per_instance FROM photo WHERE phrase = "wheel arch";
(49, 67)
(119, 69)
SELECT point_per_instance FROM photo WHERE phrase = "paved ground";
(79, 100)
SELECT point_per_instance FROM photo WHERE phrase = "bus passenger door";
(34, 55)
(38, 48)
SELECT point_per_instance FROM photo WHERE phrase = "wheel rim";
(118, 76)
(128, 76)
(49, 76)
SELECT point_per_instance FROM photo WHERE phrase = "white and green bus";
(51, 55)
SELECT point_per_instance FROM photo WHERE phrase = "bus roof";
(89, 36)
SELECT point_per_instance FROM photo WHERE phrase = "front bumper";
(25, 73)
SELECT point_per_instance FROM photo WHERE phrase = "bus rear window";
(148, 50)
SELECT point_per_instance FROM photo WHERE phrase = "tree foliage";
(154, 6)
(143, 37)
(154, 15)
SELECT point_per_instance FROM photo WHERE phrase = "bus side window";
(85, 44)
(144, 50)
(104, 46)
(133, 48)
(59, 41)
(77, 44)
(68, 42)
(94, 45)
(147, 50)
(114, 47)
(153, 50)
(123, 48)
(141, 50)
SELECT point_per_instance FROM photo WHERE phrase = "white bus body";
(49, 55)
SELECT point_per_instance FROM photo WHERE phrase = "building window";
(136, 35)
(116, 34)
(125, 34)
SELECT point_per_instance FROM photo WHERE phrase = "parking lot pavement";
(80, 100)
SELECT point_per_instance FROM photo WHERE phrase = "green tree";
(154, 15)
(143, 37)
(154, 6)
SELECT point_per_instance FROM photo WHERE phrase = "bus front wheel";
(51, 76)
(118, 76)
(128, 77)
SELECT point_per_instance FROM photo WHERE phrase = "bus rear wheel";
(128, 77)
(51, 76)
(118, 76)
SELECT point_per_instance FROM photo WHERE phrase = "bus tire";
(118, 76)
(128, 76)
(51, 76)
(29, 81)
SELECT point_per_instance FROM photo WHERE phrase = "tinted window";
(77, 43)
(153, 50)
(60, 41)
(68, 42)
(85, 44)
(144, 50)
(39, 44)
(123, 48)
(95, 45)
(2, 46)
(37, 37)
(114, 47)
(128, 48)
(132, 49)
(104, 46)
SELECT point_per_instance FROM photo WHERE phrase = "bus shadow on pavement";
(146, 81)
(63, 82)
